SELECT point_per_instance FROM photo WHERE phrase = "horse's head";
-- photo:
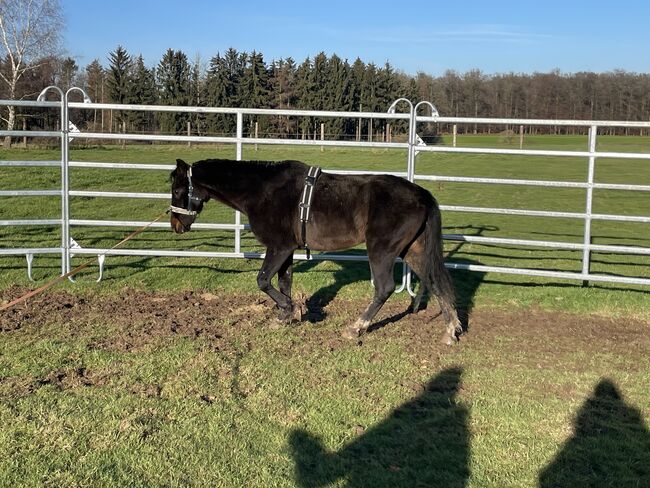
(187, 198)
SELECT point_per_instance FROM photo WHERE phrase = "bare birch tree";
(29, 30)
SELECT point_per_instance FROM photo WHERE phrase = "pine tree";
(235, 64)
(337, 92)
(305, 93)
(217, 87)
(255, 87)
(68, 70)
(142, 93)
(95, 83)
(119, 80)
(173, 77)
(197, 94)
(282, 80)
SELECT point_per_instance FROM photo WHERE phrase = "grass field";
(172, 372)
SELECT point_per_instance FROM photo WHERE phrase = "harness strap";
(305, 203)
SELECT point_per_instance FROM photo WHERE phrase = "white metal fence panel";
(411, 149)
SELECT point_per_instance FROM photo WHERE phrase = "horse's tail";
(436, 276)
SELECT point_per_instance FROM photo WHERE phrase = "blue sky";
(429, 36)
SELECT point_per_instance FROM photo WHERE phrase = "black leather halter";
(190, 198)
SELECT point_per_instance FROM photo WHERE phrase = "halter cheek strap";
(190, 197)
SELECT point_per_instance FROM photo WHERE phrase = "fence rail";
(410, 148)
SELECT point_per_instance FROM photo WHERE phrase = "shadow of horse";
(610, 445)
(424, 442)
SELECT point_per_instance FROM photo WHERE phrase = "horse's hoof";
(351, 333)
(298, 312)
(287, 316)
(449, 339)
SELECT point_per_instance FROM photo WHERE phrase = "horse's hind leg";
(438, 285)
(382, 272)
(274, 261)
(285, 277)
(415, 259)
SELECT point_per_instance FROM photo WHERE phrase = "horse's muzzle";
(178, 226)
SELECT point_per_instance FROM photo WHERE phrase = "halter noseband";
(190, 197)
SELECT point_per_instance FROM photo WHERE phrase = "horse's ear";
(182, 166)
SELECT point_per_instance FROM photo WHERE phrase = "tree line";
(244, 79)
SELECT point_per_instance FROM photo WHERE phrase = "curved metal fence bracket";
(30, 258)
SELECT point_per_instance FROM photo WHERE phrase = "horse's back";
(347, 207)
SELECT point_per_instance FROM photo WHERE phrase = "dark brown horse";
(391, 215)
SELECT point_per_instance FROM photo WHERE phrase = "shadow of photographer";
(424, 442)
(610, 446)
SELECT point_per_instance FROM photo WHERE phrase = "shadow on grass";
(610, 445)
(348, 273)
(424, 442)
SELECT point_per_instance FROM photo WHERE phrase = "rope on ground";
(74, 271)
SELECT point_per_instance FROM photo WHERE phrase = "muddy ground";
(138, 318)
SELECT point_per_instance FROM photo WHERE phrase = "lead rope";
(74, 271)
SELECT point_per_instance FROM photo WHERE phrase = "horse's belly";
(335, 237)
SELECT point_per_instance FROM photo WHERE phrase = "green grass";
(301, 407)
(91, 396)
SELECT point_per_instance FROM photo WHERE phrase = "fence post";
(410, 169)
(586, 253)
(65, 187)
(240, 132)
(257, 128)
(521, 137)
(322, 134)
(454, 131)
(189, 133)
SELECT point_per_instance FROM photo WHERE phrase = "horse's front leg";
(278, 261)
(285, 280)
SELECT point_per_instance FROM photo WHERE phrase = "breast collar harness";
(190, 197)
(305, 203)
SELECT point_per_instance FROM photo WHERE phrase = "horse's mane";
(243, 164)
(220, 165)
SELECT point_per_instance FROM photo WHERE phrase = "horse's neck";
(235, 184)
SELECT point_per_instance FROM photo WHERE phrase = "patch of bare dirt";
(139, 319)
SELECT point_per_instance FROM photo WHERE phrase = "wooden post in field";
(322, 134)
(521, 137)
(359, 124)
(257, 129)
(370, 131)
(24, 129)
(389, 136)
(123, 132)
(455, 131)
(189, 133)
